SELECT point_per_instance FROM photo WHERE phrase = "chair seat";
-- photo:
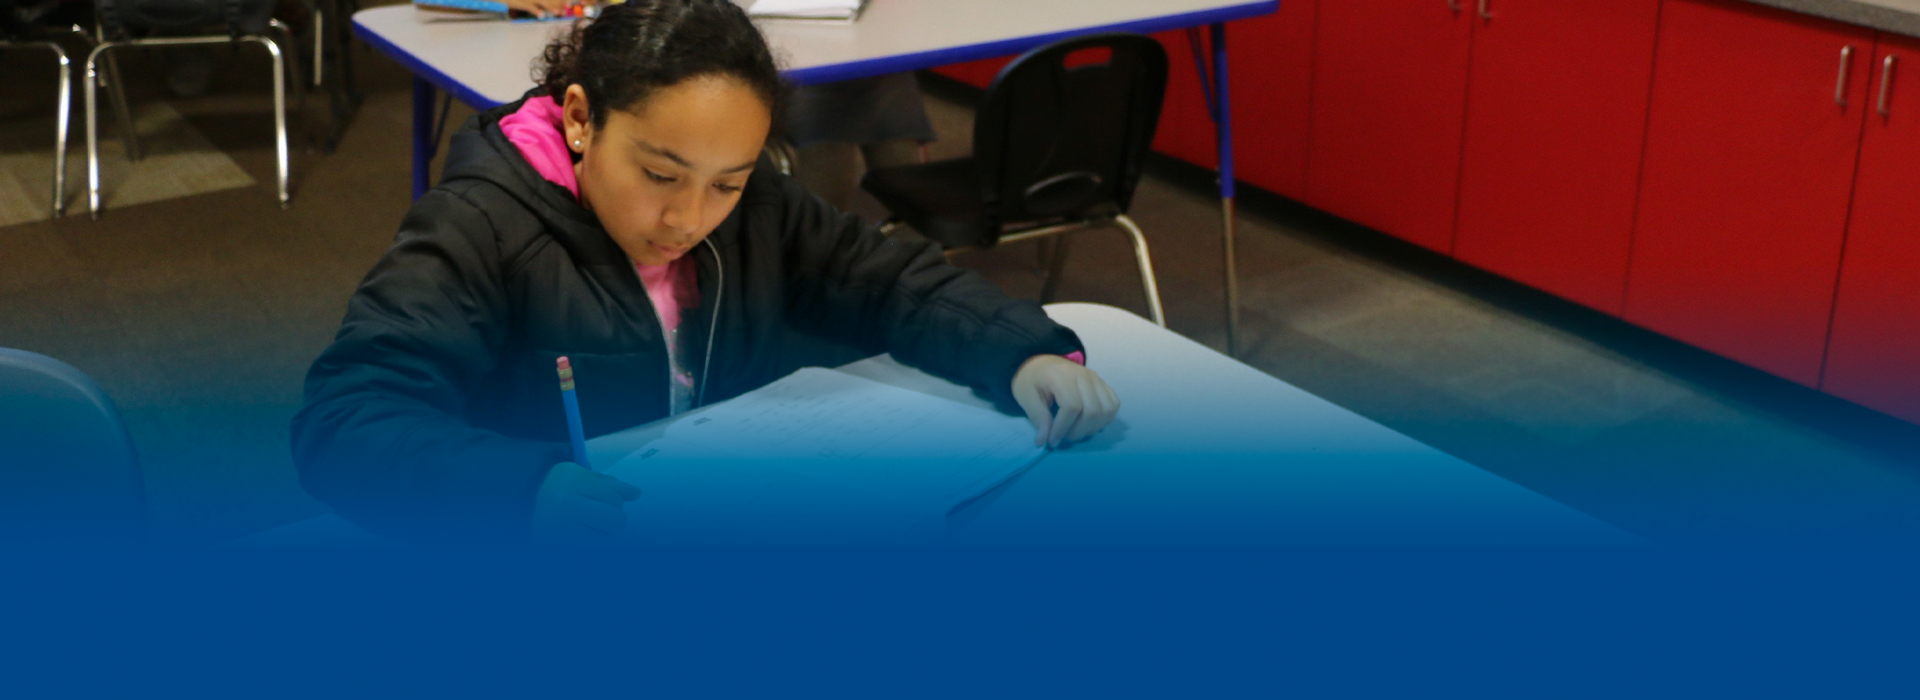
(941, 200)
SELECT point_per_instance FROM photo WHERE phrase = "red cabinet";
(1698, 167)
(1874, 355)
(1556, 117)
(1185, 131)
(1389, 99)
(1751, 143)
(976, 73)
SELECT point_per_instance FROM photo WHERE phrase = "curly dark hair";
(633, 48)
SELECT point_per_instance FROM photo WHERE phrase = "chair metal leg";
(1056, 265)
(1146, 267)
(63, 114)
(279, 110)
(121, 110)
(319, 43)
(93, 132)
(289, 45)
(290, 60)
(335, 81)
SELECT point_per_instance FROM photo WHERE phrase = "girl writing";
(621, 215)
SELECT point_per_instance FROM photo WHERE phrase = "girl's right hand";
(539, 8)
(577, 505)
(1084, 402)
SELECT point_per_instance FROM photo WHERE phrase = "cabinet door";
(1874, 355)
(1185, 131)
(1556, 118)
(1751, 144)
(1270, 64)
(976, 73)
(1389, 97)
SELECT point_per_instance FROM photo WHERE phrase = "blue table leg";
(423, 143)
(1223, 142)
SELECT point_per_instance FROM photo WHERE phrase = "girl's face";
(663, 174)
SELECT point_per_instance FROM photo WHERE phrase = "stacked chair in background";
(43, 25)
(104, 26)
(124, 23)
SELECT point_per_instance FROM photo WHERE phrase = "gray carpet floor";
(199, 315)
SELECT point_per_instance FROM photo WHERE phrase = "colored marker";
(574, 429)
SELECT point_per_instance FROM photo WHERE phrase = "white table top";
(487, 63)
(1205, 451)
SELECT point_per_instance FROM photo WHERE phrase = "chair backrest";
(68, 470)
(122, 19)
(1064, 129)
(13, 26)
(35, 20)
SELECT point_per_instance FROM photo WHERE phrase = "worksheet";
(806, 9)
(821, 454)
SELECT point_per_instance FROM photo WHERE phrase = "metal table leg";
(1213, 80)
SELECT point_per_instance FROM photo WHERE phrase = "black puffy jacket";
(436, 409)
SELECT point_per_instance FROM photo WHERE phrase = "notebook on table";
(821, 457)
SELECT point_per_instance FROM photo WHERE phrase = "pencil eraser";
(563, 363)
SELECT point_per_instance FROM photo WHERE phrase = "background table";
(1206, 451)
(486, 64)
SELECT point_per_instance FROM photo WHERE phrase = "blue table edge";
(870, 67)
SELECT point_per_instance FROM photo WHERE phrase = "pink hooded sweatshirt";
(536, 130)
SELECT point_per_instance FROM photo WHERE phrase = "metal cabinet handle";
(1886, 83)
(1840, 88)
(1486, 9)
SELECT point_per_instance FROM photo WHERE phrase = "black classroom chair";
(68, 470)
(1058, 145)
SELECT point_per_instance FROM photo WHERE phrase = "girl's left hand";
(1085, 403)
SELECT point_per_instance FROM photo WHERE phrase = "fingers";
(579, 505)
(1037, 408)
(1092, 413)
(1086, 405)
(599, 517)
(1101, 406)
(608, 490)
(600, 487)
(628, 492)
(1070, 405)
(540, 8)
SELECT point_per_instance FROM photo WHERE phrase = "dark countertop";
(1897, 16)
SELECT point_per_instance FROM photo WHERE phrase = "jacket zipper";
(713, 324)
(720, 290)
